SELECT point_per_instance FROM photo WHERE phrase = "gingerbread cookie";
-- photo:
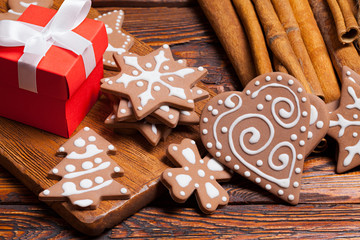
(345, 122)
(265, 132)
(17, 7)
(154, 80)
(119, 42)
(87, 172)
(195, 174)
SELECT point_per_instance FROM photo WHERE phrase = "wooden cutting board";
(29, 153)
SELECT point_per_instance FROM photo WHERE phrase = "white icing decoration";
(352, 151)
(260, 107)
(296, 184)
(157, 88)
(111, 147)
(123, 110)
(55, 170)
(293, 137)
(208, 205)
(46, 192)
(70, 168)
(224, 129)
(116, 169)
(259, 163)
(355, 116)
(92, 139)
(355, 134)
(189, 155)
(148, 65)
(348, 73)
(268, 98)
(218, 154)
(183, 180)
(69, 188)
(123, 190)
(204, 131)
(61, 149)
(268, 186)
(310, 135)
(86, 183)
(229, 103)
(214, 112)
(303, 129)
(182, 193)
(224, 199)
(154, 129)
(291, 197)
(201, 173)
(257, 83)
(319, 124)
(246, 173)
(205, 120)
(267, 78)
(228, 158)
(99, 180)
(211, 190)
(102, 166)
(171, 116)
(186, 113)
(196, 185)
(210, 108)
(87, 165)
(153, 76)
(83, 202)
(169, 174)
(26, 5)
(258, 180)
(91, 150)
(165, 108)
(236, 167)
(343, 123)
(220, 102)
(300, 156)
(356, 103)
(209, 145)
(279, 78)
(139, 83)
(214, 165)
(186, 168)
(86, 128)
(79, 142)
(111, 48)
(175, 148)
(281, 192)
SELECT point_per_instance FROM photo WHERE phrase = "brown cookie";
(119, 42)
(154, 80)
(195, 174)
(263, 132)
(86, 172)
(345, 122)
(17, 7)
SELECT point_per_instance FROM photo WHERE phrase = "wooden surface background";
(329, 204)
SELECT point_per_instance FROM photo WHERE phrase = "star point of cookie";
(195, 174)
(86, 172)
(345, 122)
(154, 80)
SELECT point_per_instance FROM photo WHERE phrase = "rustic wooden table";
(329, 204)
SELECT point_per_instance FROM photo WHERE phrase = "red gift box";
(64, 94)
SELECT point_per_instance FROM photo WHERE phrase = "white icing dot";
(224, 199)
(303, 99)
(139, 108)
(257, 180)
(148, 65)
(205, 120)
(182, 193)
(190, 101)
(192, 142)
(268, 186)
(201, 161)
(99, 180)
(260, 107)
(123, 190)
(70, 168)
(79, 142)
(304, 113)
(257, 83)
(297, 170)
(291, 82)
(200, 68)
(186, 168)
(157, 88)
(204, 131)
(259, 163)
(281, 192)
(247, 174)
(218, 145)
(135, 72)
(166, 67)
(139, 83)
(268, 97)
(180, 61)
(293, 137)
(348, 73)
(86, 128)
(355, 134)
(279, 78)
(228, 158)
(196, 185)
(218, 154)
(165, 46)
(300, 156)
(111, 147)
(209, 145)
(355, 116)
(214, 112)
(220, 102)
(171, 79)
(175, 148)
(92, 138)
(116, 169)
(319, 124)
(212, 177)
(55, 170)
(224, 129)
(267, 78)
(296, 184)
(87, 165)
(310, 135)
(210, 108)
(86, 183)
(46, 192)
(302, 143)
(113, 117)
(123, 110)
(291, 197)
(248, 92)
(201, 173)
(208, 206)
(303, 129)
(61, 149)
(97, 160)
(169, 174)
(300, 90)
(236, 167)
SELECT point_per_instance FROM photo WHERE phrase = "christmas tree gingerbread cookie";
(86, 172)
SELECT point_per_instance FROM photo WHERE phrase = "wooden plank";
(143, 3)
(326, 221)
(28, 154)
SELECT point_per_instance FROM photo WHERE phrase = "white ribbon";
(37, 40)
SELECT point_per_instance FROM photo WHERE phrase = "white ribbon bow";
(37, 40)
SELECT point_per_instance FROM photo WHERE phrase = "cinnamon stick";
(341, 54)
(287, 19)
(345, 22)
(278, 41)
(229, 30)
(278, 66)
(316, 49)
(248, 18)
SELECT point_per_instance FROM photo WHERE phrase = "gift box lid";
(60, 72)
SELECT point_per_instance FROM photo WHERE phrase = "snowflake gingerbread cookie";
(345, 122)
(154, 80)
(195, 174)
(265, 132)
(86, 172)
(119, 42)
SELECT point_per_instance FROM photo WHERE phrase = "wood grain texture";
(143, 3)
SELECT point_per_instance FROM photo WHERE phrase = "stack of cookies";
(153, 94)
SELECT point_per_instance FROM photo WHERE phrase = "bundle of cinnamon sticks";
(309, 39)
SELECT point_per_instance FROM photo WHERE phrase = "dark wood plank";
(143, 3)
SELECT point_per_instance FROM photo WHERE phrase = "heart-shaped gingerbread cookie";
(265, 132)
